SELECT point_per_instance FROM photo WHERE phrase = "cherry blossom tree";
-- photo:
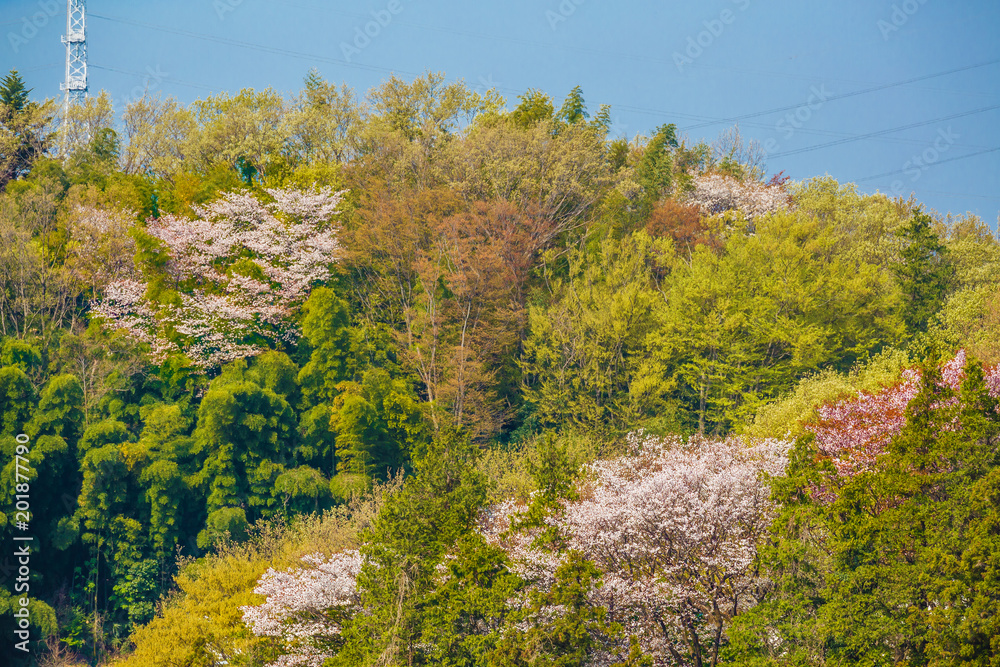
(674, 527)
(855, 431)
(240, 268)
(102, 248)
(306, 607)
(718, 193)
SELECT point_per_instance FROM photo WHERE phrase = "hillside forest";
(426, 376)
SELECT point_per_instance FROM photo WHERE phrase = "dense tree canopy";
(423, 377)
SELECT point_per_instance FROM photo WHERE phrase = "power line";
(704, 121)
(961, 194)
(828, 133)
(589, 51)
(881, 132)
(168, 79)
(951, 159)
(252, 46)
(855, 93)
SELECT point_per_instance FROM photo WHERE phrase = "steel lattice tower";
(76, 52)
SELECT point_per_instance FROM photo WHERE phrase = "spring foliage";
(221, 319)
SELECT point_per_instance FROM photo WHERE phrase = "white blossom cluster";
(673, 526)
(718, 193)
(241, 267)
(305, 606)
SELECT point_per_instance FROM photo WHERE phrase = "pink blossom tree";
(305, 608)
(855, 431)
(101, 249)
(717, 193)
(674, 528)
(240, 267)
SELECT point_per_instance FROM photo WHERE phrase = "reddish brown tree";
(683, 224)
(446, 278)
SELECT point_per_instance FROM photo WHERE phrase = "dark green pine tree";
(21, 129)
(901, 567)
(923, 271)
(656, 168)
(13, 93)
(403, 549)
(574, 109)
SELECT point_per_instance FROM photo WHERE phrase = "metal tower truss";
(76, 51)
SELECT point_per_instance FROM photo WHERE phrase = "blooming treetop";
(855, 431)
(718, 193)
(674, 527)
(305, 607)
(240, 266)
(102, 249)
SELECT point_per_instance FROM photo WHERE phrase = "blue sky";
(899, 96)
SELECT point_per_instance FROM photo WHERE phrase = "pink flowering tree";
(233, 275)
(674, 527)
(101, 250)
(855, 431)
(305, 608)
(715, 193)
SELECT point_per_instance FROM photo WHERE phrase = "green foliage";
(379, 423)
(655, 171)
(136, 591)
(166, 492)
(326, 326)
(585, 360)
(242, 438)
(227, 523)
(21, 354)
(555, 474)
(107, 432)
(13, 93)
(24, 129)
(302, 488)
(565, 639)
(574, 109)
(790, 413)
(464, 617)
(17, 400)
(408, 539)
(60, 409)
(513, 470)
(924, 271)
(535, 107)
(345, 485)
(904, 569)
(741, 328)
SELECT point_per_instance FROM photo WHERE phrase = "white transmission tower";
(76, 52)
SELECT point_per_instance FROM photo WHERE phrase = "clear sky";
(899, 96)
